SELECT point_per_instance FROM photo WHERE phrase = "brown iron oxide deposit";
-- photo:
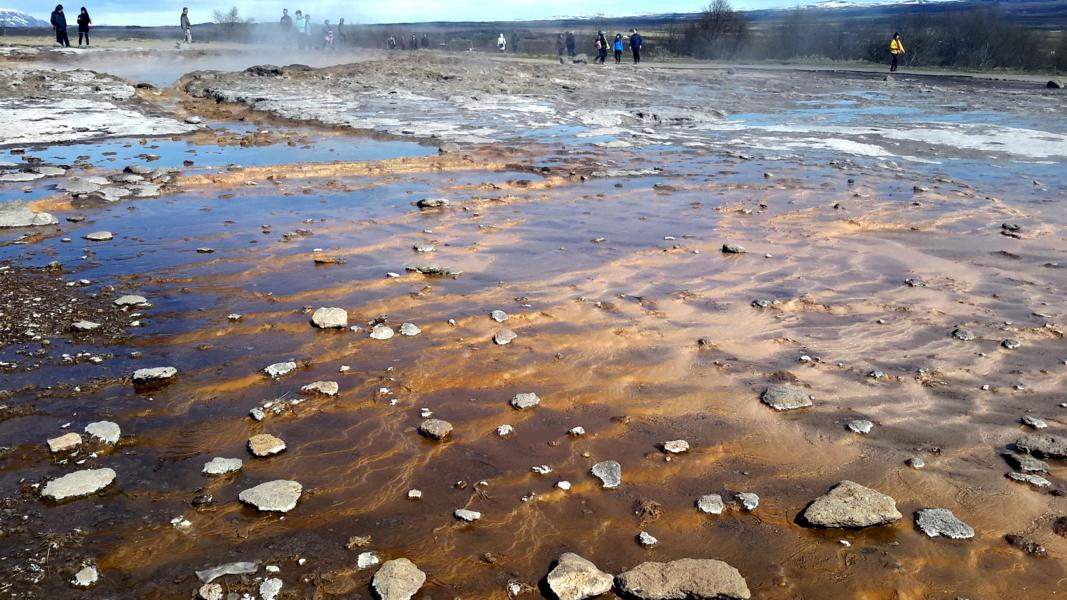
(631, 324)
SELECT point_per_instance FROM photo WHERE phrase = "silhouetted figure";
(601, 47)
(561, 45)
(896, 48)
(59, 25)
(502, 43)
(413, 44)
(83, 27)
(187, 26)
(391, 43)
(342, 32)
(425, 42)
(327, 35)
(636, 43)
(572, 45)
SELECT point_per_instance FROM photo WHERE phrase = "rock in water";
(366, 560)
(575, 578)
(469, 516)
(860, 426)
(964, 335)
(676, 447)
(505, 337)
(330, 318)
(87, 577)
(435, 429)
(785, 397)
(711, 504)
(683, 579)
(270, 588)
(609, 473)
(525, 400)
(280, 369)
(382, 332)
(210, 591)
(265, 444)
(155, 375)
(1043, 445)
(499, 316)
(19, 214)
(427, 203)
(936, 522)
(326, 388)
(733, 249)
(130, 300)
(410, 330)
(235, 568)
(274, 496)
(78, 483)
(104, 431)
(84, 325)
(749, 501)
(64, 443)
(222, 466)
(849, 504)
(99, 236)
(398, 579)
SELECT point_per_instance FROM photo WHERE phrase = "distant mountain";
(10, 17)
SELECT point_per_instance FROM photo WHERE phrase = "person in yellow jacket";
(896, 48)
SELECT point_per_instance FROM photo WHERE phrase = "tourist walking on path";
(636, 42)
(560, 45)
(83, 27)
(896, 48)
(187, 26)
(618, 46)
(59, 25)
(601, 47)
(502, 43)
(572, 45)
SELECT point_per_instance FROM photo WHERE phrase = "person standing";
(636, 42)
(425, 41)
(187, 26)
(572, 46)
(327, 35)
(618, 47)
(59, 25)
(83, 27)
(502, 43)
(298, 26)
(305, 33)
(342, 32)
(601, 47)
(414, 42)
(286, 24)
(561, 45)
(896, 48)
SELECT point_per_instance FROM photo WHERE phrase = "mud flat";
(726, 298)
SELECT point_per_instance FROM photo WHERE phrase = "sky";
(156, 12)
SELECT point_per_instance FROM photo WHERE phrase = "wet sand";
(631, 324)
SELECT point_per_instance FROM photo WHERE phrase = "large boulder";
(849, 504)
(688, 578)
(785, 397)
(575, 578)
(1043, 445)
(330, 318)
(19, 214)
(398, 579)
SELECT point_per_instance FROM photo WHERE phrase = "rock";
(280, 369)
(1034, 480)
(711, 504)
(469, 516)
(273, 496)
(381, 332)
(936, 522)
(499, 316)
(1043, 445)
(849, 504)
(1025, 463)
(915, 462)
(525, 400)
(575, 578)
(1026, 544)
(733, 249)
(1054, 84)
(154, 375)
(78, 483)
(688, 578)
(234, 568)
(748, 500)
(964, 335)
(330, 318)
(366, 560)
(64, 443)
(358, 541)
(424, 248)
(410, 330)
(785, 397)
(136, 169)
(1011, 344)
(676, 447)
(504, 337)
(265, 444)
(78, 187)
(326, 388)
(1035, 422)
(222, 466)
(398, 579)
(210, 591)
(427, 203)
(86, 577)
(130, 300)
(100, 236)
(435, 429)
(270, 588)
(19, 214)
(106, 432)
(84, 326)
(860, 426)
(646, 539)
(448, 148)
(609, 473)
(505, 430)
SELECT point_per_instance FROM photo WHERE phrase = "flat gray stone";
(86, 577)
(525, 400)
(676, 447)
(688, 578)
(499, 316)
(963, 334)
(366, 560)
(326, 388)
(104, 431)
(19, 214)
(264, 444)
(1043, 445)
(410, 330)
(1030, 478)
(733, 249)
(504, 337)
(222, 466)
(330, 318)
(382, 332)
(938, 522)
(1025, 463)
(469, 516)
(84, 326)
(786, 397)
(860, 426)
(154, 375)
(435, 429)
(78, 484)
(426, 203)
(64, 443)
(78, 187)
(270, 588)
(749, 501)
(609, 473)
(280, 369)
(234, 568)
(575, 578)
(849, 504)
(130, 300)
(398, 579)
(99, 236)
(711, 504)
(273, 496)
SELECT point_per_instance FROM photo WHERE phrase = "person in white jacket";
(502, 43)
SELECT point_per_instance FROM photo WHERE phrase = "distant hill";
(10, 17)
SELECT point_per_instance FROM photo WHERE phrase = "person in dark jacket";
(636, 42)
(83, 27)
(187, 26)
(572, 46)
(561, 45)
(601, 47)
(414, 42)
(425, 42)
(59, 24)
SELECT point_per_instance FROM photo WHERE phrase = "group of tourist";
(566, 43)
(298, 32)
(402, 43)
(59, 25)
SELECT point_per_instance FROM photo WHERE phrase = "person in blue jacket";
(59, 24)
(618, 45)
(635, 44)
